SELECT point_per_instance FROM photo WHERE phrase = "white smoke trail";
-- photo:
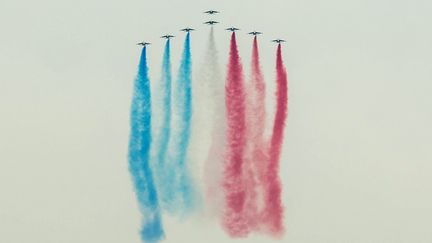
(208, 121)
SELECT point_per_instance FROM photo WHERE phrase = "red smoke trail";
(256, 159)
(273, 212)
(235, 222)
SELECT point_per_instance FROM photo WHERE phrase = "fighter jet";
(278, 41)
(187, 30)
(143, 43)
(233, 29)
(211, 12)
(255, 33)
(211, 22)
(167, 36)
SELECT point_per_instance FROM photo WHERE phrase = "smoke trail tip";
(152, 233)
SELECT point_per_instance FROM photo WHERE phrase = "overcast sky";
(356, 163)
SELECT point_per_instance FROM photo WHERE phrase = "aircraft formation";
(211, 23)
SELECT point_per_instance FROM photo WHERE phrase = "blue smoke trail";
(139, 148)
(162, 132)
(182, 111)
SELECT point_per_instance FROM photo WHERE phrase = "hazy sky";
(356, 164)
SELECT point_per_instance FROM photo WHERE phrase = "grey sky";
(356, 163)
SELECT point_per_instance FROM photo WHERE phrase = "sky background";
(356, 164)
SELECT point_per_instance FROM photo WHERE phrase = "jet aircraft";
(187, 29)
(255, 33)
(211, 12)
(211, 22)
(143, 43)
(167, 36)
(233, 29)
(278, 41)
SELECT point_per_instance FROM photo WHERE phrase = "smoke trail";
(139, 148)
(214, 162)
(182, 111)
(273, 213)
(256, 158)
(235, 221)
(162, 120)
